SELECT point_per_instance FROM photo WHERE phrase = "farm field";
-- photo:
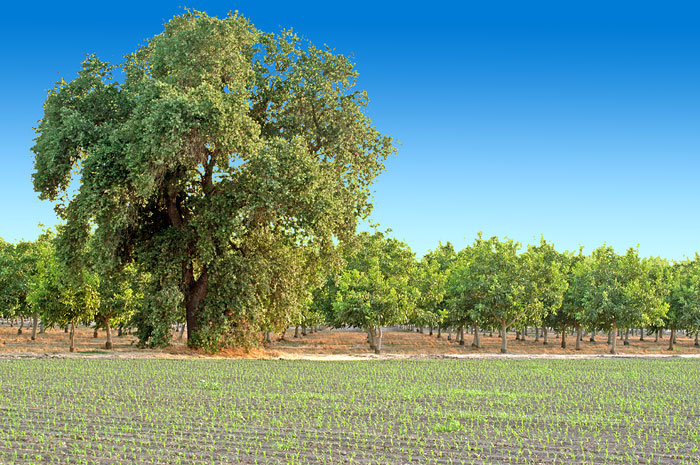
(150, 411)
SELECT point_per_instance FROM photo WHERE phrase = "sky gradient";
(580, 123)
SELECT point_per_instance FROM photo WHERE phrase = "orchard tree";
(498, 288)
(466, 291)
(120, 297)
(21, 265)
(622, 292)
(545, 272)
(66, 296)
(430, 279)
(225, 164)
(684, 298)
(376, 289)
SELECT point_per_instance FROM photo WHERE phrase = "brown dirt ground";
(332, 345)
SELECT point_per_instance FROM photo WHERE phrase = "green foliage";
(684, 296)
(223, 166)
(377, 288)
(622, 291)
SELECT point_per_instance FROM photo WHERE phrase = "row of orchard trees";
(493, 284)
(38, 286)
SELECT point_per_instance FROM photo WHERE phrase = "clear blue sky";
(579, 121)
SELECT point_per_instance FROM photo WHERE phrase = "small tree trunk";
(523, 335)
(697, 343)
(563, 338)
(370, 339)
(461, 335)
(504, 341)
(120, 330)
(544, 335)
(21, 325)
(378, 342)
(610, 338)
(182, 331)
(627, 337)
(108, 330)
(477, 338)
(430, 333)
(537, 334)
(42, 328)
(72, 336)
(303, 330)
(94, 333)
(35, 319)
(592, 338)
(439, 334)
(613, 348)
(296, 331)
(671, 339)
(641, 334)
(579, 336)
(65, 329)
(267, 337)
(282, 334)
(517, 334)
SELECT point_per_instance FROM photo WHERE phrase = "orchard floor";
(336, 345)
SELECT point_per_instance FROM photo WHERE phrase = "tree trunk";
(537, 334)
(544, 335)
(35, 320)
(378, 346)
(671, 339)
(120, 331)
(592, 338)
(477, 338)
(517, 334)
(303, 330)
(504, 340)
(610, 338)
(579, 336)
(439, 334)
(563, 338)
(656, 337)
(94, 333)
(296, 331)
(523, 335)
(614, 339)
(627, 337)
(42, 328)
(72, 336)
(370, 339)
(21, 325)
(267, 337)
(430, 333)
(461, 335)
(182, 331)
(641, 334)
(697, 343)
(108, 330)
(196, 291)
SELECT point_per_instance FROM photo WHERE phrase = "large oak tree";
(225, 163)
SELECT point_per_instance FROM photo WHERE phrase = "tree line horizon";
(221, 183)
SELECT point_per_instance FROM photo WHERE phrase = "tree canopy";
(225, 164)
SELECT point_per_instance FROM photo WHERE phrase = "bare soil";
(336, 345)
